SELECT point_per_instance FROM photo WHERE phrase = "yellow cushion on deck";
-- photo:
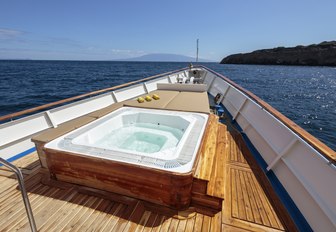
(165, 97)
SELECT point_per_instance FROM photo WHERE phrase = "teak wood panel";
(207, 150)
(154, 185)
(216, 183)
(246, 203)
(206, 191)
(250, 201)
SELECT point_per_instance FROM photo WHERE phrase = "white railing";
(24, 194)
(307, 175)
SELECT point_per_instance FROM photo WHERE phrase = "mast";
(197, 50)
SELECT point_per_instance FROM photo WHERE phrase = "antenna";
(197, 50)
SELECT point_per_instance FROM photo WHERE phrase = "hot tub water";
(142, 137)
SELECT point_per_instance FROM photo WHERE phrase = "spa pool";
(142, 153)
(167, 140)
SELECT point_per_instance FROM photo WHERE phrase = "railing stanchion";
(19, 176)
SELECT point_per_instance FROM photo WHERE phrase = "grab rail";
(19, 176)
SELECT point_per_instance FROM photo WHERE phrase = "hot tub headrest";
(182, 87)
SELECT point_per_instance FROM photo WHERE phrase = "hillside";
(323, 54)
(163, 57)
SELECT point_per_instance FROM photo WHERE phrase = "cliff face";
(323, 54)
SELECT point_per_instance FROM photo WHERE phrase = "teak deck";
(249, 203)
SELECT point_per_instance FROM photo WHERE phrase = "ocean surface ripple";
(306, 95)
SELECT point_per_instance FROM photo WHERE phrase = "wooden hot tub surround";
(158, 186)
(171, 189)
(161, 187)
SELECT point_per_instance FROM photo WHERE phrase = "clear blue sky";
(103, 30)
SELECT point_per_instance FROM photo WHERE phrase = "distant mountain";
(323, 54)
(163, 57)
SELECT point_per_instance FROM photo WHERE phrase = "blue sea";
(306, 95)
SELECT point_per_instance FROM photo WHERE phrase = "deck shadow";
(117, 208)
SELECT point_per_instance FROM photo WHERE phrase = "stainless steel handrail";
(19, 176)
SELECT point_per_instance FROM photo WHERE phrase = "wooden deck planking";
(82, 216)
(216, 183)
(102, 217)
(48, 210)
(206, 223)
(235, 154)
(246, 205)
(13, 199)
(104, 205)
(216, 222)
(27, 162)
(62, 213)
(149, 224)
(207, 149)
(16, 205)
(173, 224)
(143, 222)
(181, 225)
(166, 224)
(110, 218)
(190, 224)
(158, 223)
(19, 215)
(58, 207)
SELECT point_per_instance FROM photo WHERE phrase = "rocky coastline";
(323, 54)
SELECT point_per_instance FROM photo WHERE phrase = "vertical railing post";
(19, 176)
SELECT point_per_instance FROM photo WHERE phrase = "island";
(164, 57)
(323, 54)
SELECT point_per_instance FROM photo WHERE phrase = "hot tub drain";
(172, 164)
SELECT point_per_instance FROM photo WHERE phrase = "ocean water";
(306, 95)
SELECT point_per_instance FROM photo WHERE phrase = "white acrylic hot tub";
(167, 140)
